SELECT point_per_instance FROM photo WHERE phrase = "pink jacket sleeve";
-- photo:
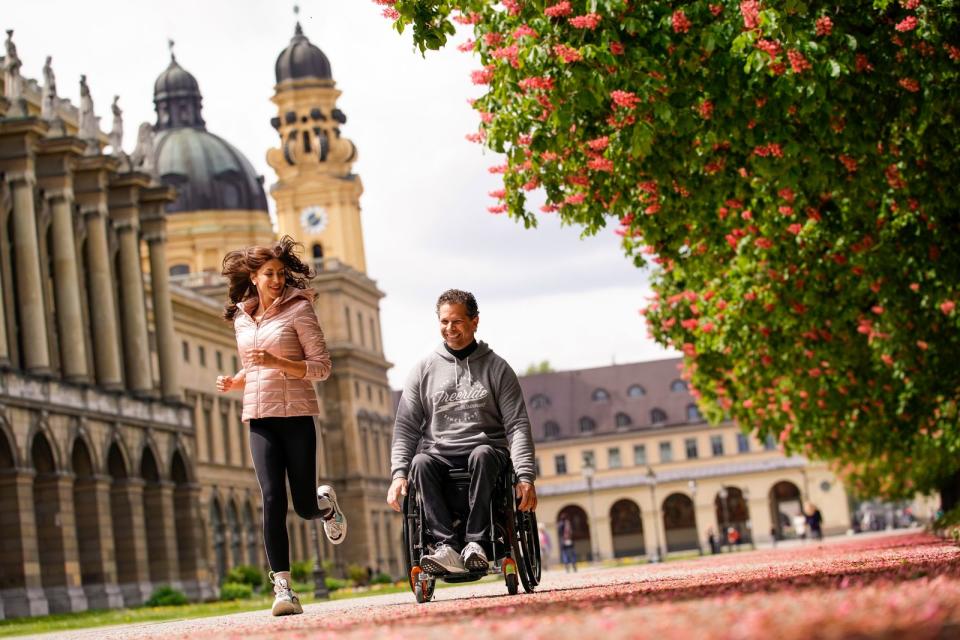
(315, 354)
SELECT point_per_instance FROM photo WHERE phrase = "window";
(639, 454)
(613, 457)
(743, 443)
(186, 351)
(716, 445)
(693, 413)
(219, 360)
(587, 459)
(179, 270)
(225, 428)
(769, 443)
(551, 430)
(636, 391)
(208, 428)
(600, 395)
(691, 446)
(236, 364)
(369, 393)
(666, 452)
(678, 386)
(539, 401)
(587, 425)
(380, 395)
(356, 389)
(202, 355)
(560, 464)
(623, 420)
(658, 416)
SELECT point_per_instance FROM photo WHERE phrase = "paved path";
(886, 586)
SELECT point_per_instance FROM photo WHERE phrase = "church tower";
(318, 203)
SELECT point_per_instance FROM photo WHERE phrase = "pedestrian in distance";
(712, 540)
(568, 552)
(282, 352)
(546, 545)
(814, 521)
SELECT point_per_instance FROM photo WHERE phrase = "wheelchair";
(513, 545)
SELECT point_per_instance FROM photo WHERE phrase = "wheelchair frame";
(514, 539)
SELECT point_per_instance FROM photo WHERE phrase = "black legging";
(283, 447)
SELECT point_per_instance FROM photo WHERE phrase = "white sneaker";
(334, 524)
(474, 557)
(443, 560)
(286, 602)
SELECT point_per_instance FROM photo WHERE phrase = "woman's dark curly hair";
(240, 265)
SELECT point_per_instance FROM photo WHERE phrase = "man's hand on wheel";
(397, 488)
(528, 496)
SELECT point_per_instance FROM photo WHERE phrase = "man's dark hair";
(456, 296)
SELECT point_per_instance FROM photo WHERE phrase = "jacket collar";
(289, 293)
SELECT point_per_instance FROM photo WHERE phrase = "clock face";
(314, 219)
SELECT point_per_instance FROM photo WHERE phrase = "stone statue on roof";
(48, 106)
(89, 128)
(142, 158)
(115, 136)
(12, 80)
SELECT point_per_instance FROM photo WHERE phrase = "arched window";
(600, 395)
(587, 425)
(179, 270)
(551, 430)
(678, 386)
(539, 401)
(658, 416)
(693, 413)
(623, 420)
(317, 251)
(636, 391)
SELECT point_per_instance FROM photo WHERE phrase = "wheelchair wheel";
(522, 552)
(423, 588)
(530, 540)
(510, 576)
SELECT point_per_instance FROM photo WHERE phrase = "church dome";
(208, 172)
(302, 59)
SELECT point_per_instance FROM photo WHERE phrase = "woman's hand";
(264, 358)
(224, 383)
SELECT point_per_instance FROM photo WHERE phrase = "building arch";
(117, 458)
(87, 511)
(785, 505)
(626, 528)
(235, 534)
(42, 428)
(8, 447)
(680, 523)
(219, 542)
(732, 511)
(48, 504)
(581, 529)
(250, 531)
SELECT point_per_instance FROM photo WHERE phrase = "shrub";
(336, 583)
(301, 571)
(246, 574)
(235, 591)
(166, 596)
(382, 578)
(358, 574)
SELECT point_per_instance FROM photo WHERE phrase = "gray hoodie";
(450, 406)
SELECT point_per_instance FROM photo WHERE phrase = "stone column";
(18, 142)
(98, 567)
(162, 533)
(194, 572)
(20, 588)
(125, 214)
(90, 186)
(130, 539)
(4, 303)
(54, 173)
(760, 518)
(60, 571)
(154, 223)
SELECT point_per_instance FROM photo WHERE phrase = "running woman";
(282, 352)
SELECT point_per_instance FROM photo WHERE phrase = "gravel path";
(888, 586)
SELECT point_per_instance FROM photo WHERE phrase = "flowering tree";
(789, 168)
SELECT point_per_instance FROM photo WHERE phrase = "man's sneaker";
(334, 522)
(474, 558)
(285, 602)
(442, 561)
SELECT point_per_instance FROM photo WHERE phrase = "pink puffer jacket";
(288, 329)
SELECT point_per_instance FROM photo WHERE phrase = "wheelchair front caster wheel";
(513, 585)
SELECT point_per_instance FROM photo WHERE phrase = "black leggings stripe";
(284, 448)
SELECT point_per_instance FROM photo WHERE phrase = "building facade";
(121, 468)
(623, 452)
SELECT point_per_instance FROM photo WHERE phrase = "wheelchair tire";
(513, 588)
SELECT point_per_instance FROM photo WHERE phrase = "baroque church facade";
(121, 468)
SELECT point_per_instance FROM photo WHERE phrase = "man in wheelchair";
(461, 407)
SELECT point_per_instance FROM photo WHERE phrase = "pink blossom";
(953, 52)
(566, 53)
(559, 10)
(478, 137)
(492, 39)
(625, 99)
(863, 64)
(599, 144)
(513, 6)
(536, 82)
(574, 198)
(524, 31)
(922, 345)
(391, 13)
(848, 162)
(770, 149)
(466, 46)
(616, 48)
(499, 194)
(795, 228)
(499, 208)
(751, 14)
(681, 24)
(910, 4)
(389, 3)
(763, 243)
(947, 306)
(771, 47)
(798, 63)
(907, 24)
(910, 84)
(500, 168)
(824, 26)
(586, 21)
(716, 9)
(510, 54)
(601, 164)
(785, 210)
(705, 109)
(549, 208)
(482, 76)
(467, 18)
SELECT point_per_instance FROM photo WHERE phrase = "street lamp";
(320, 591)
(726, 516)
(652, 478)
(588, 473)
(692, 486)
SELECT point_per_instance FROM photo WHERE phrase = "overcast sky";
(544, 294)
